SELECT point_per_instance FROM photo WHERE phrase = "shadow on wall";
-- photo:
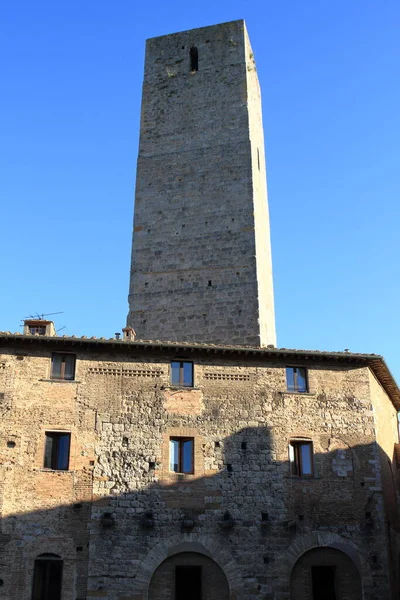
(255, 519)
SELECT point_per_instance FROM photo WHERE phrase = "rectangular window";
(39, 329)
(301, 458)
(182, 373)
(56, 452)
(181, 455)
(323, 583)
(63, 366)
(47, 578)
(296, 379)
(187, 582)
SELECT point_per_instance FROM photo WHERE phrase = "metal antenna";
(40, 317)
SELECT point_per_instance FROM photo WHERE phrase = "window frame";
(181, 440)
(37, 329)
(181, 373)
(55, 435)
(46, 560)
(296, 465)
(296, 389)
(62, 372)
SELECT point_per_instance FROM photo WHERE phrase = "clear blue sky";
(71, 75)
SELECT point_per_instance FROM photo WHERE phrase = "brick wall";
(242, 505)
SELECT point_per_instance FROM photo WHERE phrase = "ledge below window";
(297, 393)
(63, 471)
(180, 388)
(61, 380)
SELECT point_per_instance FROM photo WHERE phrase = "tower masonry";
(201, 258)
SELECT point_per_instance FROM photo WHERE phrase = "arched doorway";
(325, 574)
(189, 575)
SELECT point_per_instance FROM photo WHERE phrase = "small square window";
(296, 379)
(63, 366)
(56, 452)
(182, 373)
(181, 455)
(301, 458)
(38, 329)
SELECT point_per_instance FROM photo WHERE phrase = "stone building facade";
(211, 467)
(201, 256)
(290, 483)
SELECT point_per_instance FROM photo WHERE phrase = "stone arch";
(189, 575)
(177, 544)
(315, 540)
(325, 572)
(320, 539)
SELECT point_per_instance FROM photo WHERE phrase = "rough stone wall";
(241, 507)
(42, 511)
(386, 427)
(270, 509)
(201, 228)
(261, 214)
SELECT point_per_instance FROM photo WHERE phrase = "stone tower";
(201, 258)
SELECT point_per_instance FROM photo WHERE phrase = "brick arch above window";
(322, 540)
(207, 545)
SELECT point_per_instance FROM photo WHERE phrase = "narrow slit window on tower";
(194, 59)
(258, 158)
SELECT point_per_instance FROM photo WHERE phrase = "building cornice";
(375, 362)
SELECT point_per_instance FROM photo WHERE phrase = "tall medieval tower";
(201, 258)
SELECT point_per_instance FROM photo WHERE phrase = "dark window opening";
(194, 59)
(182, 373)
(47, 577)
(296, 379)
(243, 445)
(209, 283)
(63, 366)
(181, 455)
(56, 454)
(187, 582)
(258, 158)
(38, 329)
(323, 583)
(301, 458)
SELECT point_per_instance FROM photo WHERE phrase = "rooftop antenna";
(61, 328)
(40, 317)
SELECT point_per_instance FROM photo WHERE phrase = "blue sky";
(70, 107)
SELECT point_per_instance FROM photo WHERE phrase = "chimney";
(129, 334)
(39, 327)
